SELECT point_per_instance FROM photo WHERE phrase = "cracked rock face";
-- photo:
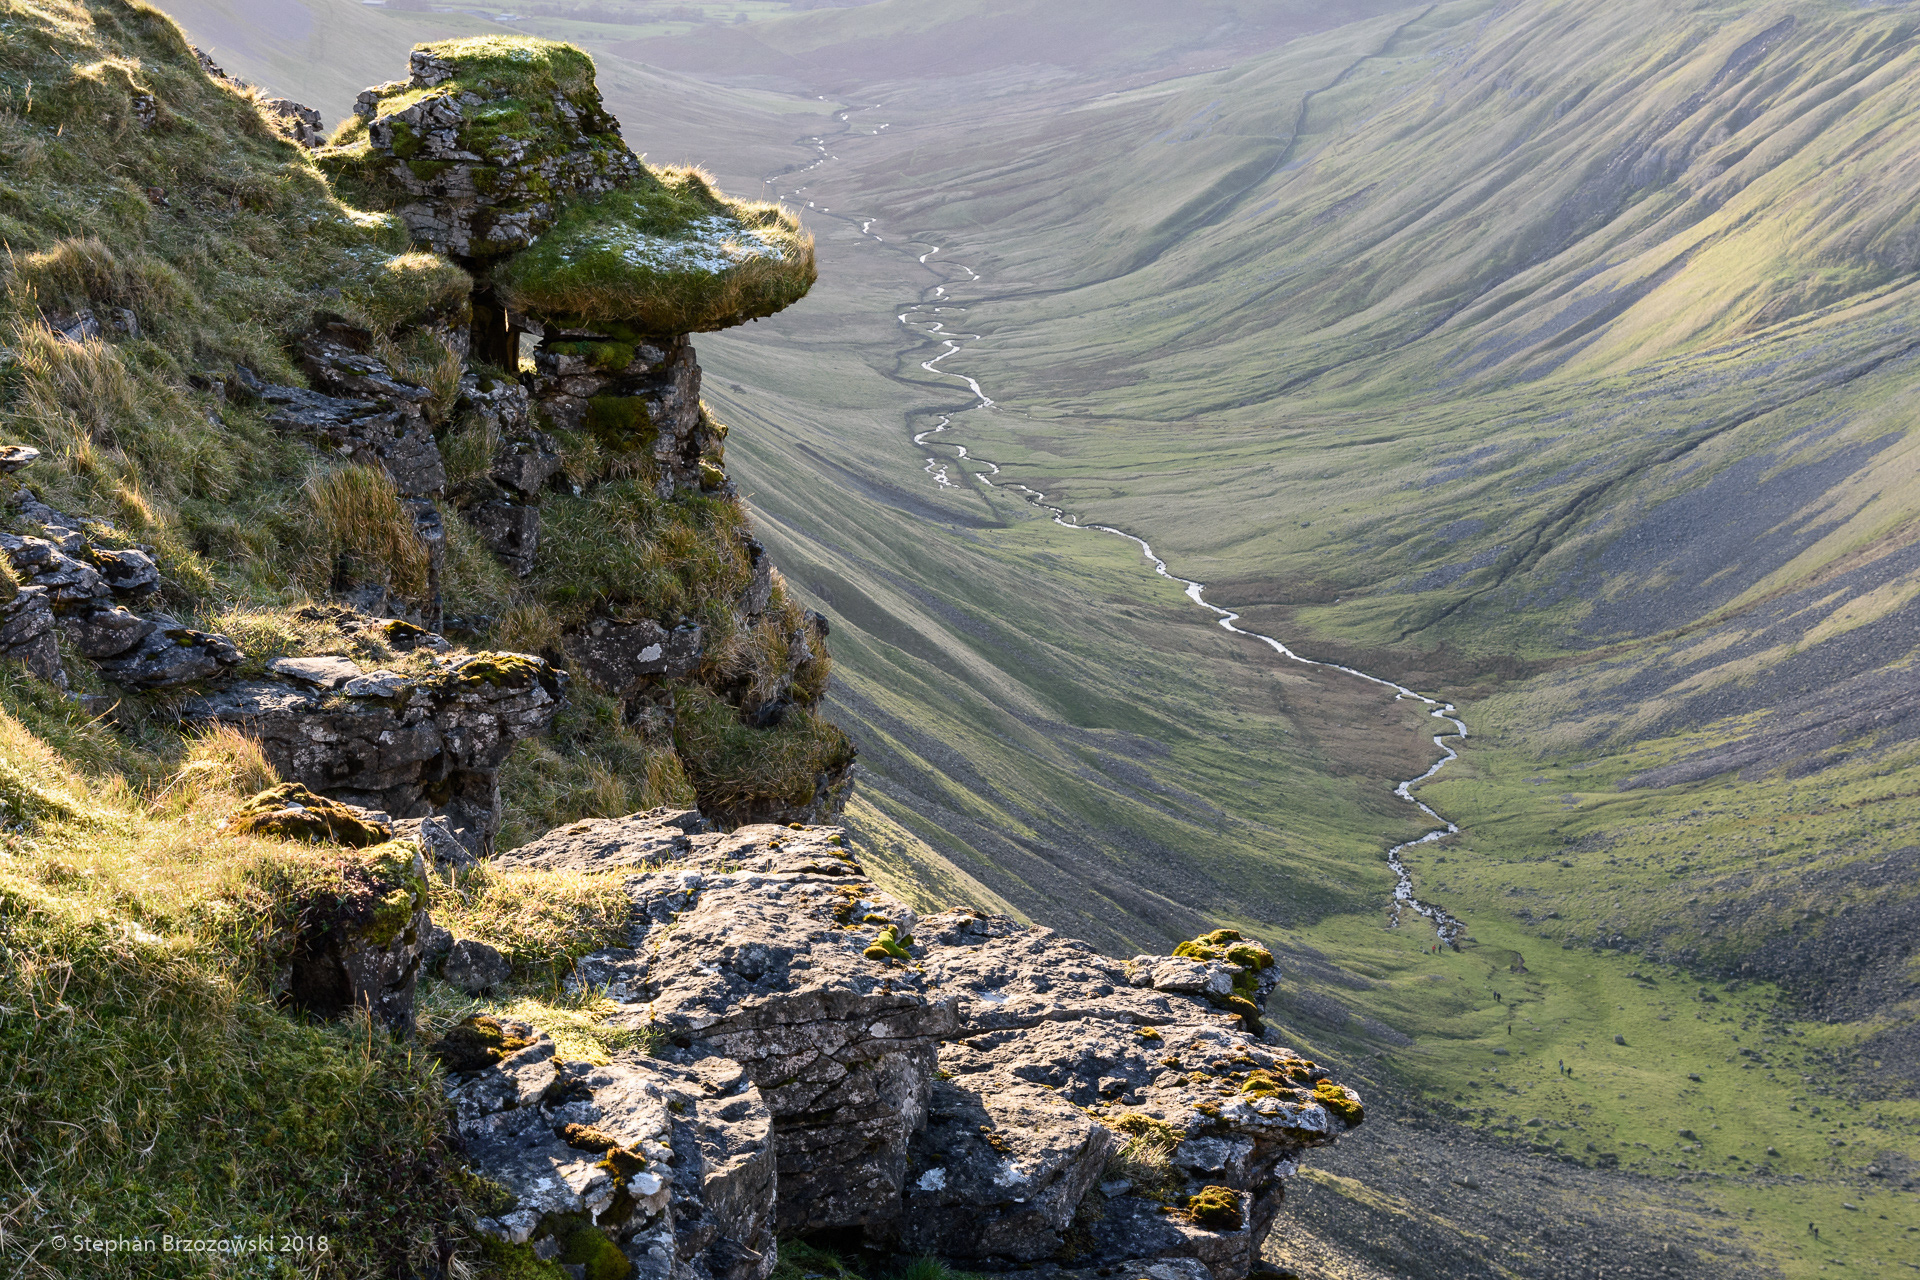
(405, 745)
(674, 1163)
(469, 183)
(960, 1085)
(636, 397)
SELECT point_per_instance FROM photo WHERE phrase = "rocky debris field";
(826, 1060)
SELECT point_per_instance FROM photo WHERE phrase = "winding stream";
(918, 319)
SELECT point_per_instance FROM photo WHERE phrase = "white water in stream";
(918, 319)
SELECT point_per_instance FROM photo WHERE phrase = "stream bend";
(917, 319)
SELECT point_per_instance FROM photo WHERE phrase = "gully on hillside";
(918, 320)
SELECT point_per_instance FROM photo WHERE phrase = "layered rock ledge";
(960, 1085)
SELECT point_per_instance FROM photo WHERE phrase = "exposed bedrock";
(960, 1085)
(409, 746)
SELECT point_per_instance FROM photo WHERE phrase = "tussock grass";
(621, 549)
(666, 254)
(735, 768)
(541, 920)
(593, 765)
(357, 519)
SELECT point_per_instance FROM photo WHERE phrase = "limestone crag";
(961, 1085)
(471, 184)
(83, 589)
(409, 745)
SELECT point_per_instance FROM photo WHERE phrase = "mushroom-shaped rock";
(664, 253)
(480, 148)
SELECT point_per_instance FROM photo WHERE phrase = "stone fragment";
(14, 457)
(438, 841)
(474, 966)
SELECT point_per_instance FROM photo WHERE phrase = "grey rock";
(618, 971)
(105, 633)
(511, 531)
(76, 327)
(1002, 1165)
(123, 322)
(438, 841)
(40, 562)
(130, 573)
(172, 655)
(336, 969)
(343, 368)
(690, 1194)
(13, 457)
(524, 465)
(447, 733)
(437, 942)
(759, 591)
(414, 462)
(474, 966)
(321, 672)
(607, 844)
(27, 635)
(617, 656)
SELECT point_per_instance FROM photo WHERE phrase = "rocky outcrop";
(360, 938)
(668, 1168)
(407, 745)
(480, 152)
(84, 589)
(960, 1085)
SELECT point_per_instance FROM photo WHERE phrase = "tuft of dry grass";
(356, 513)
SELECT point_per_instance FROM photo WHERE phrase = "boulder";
(475, 967)
(361, 940)
(105, 632)
(291, 812)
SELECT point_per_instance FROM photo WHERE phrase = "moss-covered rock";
(479, 150)
(479, 1042)
(665, 253)
(291, 812)
(1216, 1207)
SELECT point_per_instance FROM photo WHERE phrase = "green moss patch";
(666, 254)
(291, 812)
(1216, 1207)
(478, 1042)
